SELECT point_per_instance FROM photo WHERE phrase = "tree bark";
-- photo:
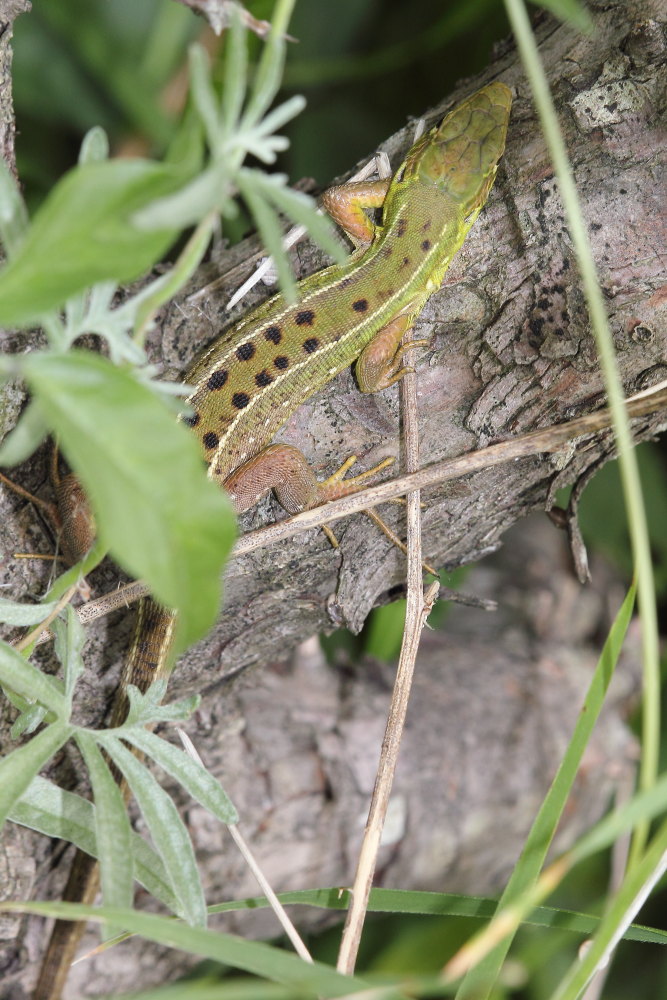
(510, 351)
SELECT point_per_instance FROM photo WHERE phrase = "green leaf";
(113, 834)
(282, 114)
(95, 146)
(70, 638)
(445, 904)
(193, 776)
(143, 473)
(146, 709)
(383, 632)
(203, 95)
(571, 11)
(25, 437)
(301, 209)
(236, 74)
(29, 682)
(20, 615)
(270, 230)
(637, 883)
(13, 213)
(51, 810)
(208, 190)
(166, 828)
(30, 719)
(20, 766)
(269, 72)
(83, 233)
(188, 261)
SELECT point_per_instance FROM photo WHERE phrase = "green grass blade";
(627, 457)
(443, 904)
(479, 980)
(253, 957)
(637, 885)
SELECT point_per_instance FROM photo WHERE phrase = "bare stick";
(414, 622)
(249, 858)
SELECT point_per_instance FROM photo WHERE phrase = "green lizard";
(257, 373)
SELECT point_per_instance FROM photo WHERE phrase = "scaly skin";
(256, 374)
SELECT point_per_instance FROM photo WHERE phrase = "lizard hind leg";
(285, 470)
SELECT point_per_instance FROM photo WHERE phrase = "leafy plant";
(108, 222)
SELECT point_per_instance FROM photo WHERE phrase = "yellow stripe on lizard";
(256, 374)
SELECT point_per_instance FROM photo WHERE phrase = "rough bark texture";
(511, 350)
(9, 11)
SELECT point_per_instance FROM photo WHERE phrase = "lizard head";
(460, 155)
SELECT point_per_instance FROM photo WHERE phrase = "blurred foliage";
(364, 66)
(609, 534)
(80, 63)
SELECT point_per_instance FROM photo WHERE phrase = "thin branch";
(414, 623)
(545, 441)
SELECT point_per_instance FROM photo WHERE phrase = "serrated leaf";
(166, 828)
(145, 709)
(83, 234)
(156, 511)
(193, 776)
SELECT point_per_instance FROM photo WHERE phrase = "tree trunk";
(510, 351)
